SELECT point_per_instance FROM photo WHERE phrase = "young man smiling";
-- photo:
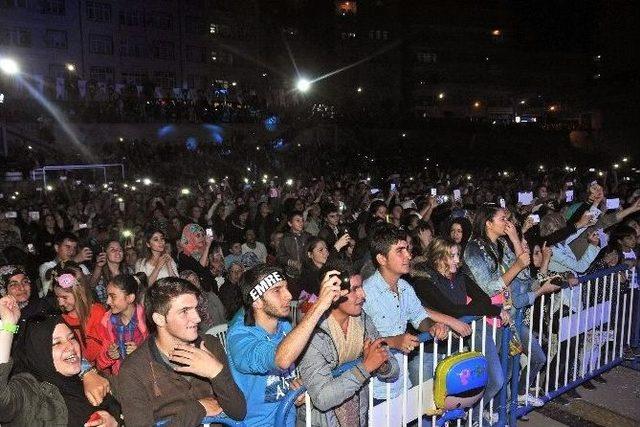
(262, 346)
(175, 374)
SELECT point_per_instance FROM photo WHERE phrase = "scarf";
(349, 347)
(190, 245)
(37, 360)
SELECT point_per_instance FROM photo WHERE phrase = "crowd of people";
(107, 292)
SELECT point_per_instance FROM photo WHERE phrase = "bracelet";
(82, 374)
(9, 327)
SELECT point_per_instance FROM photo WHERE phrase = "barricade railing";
(583, 331)
(417, 400)
(580, 341)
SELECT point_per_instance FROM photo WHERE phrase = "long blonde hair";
(80, 291)
(438, 251)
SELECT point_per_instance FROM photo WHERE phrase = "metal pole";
(515, 374)
(504, 361)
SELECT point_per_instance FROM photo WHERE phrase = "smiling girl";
(122, 329)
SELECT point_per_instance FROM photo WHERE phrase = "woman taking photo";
(109, 264)
(46, 237)
(317, 255)
(79, 311)
(503, 275)
(157, 263)
(195, 255)
(47, 391)
(122, 329)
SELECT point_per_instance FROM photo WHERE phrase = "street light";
(9, 66)
(476, 104)
(71, 67)
(303, 85)
(441, 95)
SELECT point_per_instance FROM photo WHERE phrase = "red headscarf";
(191, 245)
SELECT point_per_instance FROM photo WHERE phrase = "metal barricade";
(414, 402)
(587, 328)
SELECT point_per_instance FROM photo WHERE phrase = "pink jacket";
(103, 336)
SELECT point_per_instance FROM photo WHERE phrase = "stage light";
(9, 66)
(303, 85)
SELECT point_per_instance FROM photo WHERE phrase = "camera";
(345, 284)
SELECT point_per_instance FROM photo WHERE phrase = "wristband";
(85, 367)
(83, 373)
(9, 327)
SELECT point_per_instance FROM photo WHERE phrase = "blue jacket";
(252, 353)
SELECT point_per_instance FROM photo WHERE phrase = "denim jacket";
(489, 276)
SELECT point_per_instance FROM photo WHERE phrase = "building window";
(346, 8)
(163, 50)
(427, 57)
(98, 11)
(55, 39)
(9, 4)
(290, 32)
(159, 20)
(20, 37)
(135, 78)
(165, 79)
(378, 35)
(346, 36)
(220, 30)
(133, 48)
(101, 74)
(221, 57)
(51, 7)
(101, 45)
(196, 54)
(56, 71)
(195, 25)
(132, 18)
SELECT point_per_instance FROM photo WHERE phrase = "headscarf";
(190, 246)
(6, 273)
(37, 359)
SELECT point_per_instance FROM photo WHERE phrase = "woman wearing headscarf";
(194, 255)
(47, 391)
(15, 282)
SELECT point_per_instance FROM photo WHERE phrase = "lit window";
(345, 8)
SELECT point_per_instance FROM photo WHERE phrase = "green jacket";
(25, 401)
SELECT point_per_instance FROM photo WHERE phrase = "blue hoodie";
(252, 353)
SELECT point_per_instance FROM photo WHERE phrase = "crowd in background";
(485, 242)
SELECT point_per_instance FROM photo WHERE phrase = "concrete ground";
(616, 403)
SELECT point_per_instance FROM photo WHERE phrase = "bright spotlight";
(303, 85)
(9, 66)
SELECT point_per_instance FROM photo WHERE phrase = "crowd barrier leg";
(576, 346)
(583, 362)
(515, 371)
(541, 323)
(549, 334)
(622, 325)
(504, 360)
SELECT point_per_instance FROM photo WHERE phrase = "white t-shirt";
(167, 270)
(260, 250)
